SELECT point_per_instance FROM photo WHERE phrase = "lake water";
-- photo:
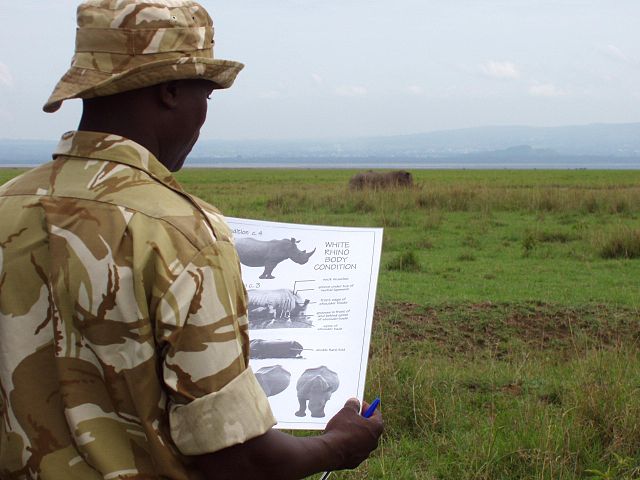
(560, 163)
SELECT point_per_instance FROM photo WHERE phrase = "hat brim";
(85, 83)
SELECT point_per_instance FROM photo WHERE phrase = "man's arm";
(347, 442)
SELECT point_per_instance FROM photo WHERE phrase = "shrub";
(467, 257)
(391, 222)
(287, 203)
(425, 244)
(529, 242)
(590, 204)
(426, 200)
(623, 244)
(532, 238)
(546, 203)
(555, 237)
(603, 397)
(460, 199)
(624, 468)
(471, 242)
(362, 205)
(621, 206)
(405, 262)
(432, 221)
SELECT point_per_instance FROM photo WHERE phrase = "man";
(123, 326)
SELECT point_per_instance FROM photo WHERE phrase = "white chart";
(311, 300)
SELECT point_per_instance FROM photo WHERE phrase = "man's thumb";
(353, 404)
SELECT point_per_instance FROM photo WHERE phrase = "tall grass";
(469, 196)
(550, 400)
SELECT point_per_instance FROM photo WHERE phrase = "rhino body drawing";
(259, 348)
(268, 254)
(273, 379)
(316, 385)
(276, 308)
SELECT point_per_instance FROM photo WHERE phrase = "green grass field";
(505, 339)
(508, 320)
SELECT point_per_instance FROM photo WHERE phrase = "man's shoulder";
(122, 188)
(100, 181)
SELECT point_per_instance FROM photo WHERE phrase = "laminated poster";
(311, 298)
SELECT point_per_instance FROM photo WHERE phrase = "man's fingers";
(365, 406)
(353, 404)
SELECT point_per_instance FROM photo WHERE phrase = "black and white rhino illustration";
(316, 385)
(269, 308)
(259, 348)
(273, 379)
(268, 254)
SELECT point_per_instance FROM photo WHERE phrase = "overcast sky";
(342, 68)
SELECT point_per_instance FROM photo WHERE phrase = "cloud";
(501, 70)
(615, 53)
(6, 78)
(545, 90)
(317, 79)
(415, 90)
(351, 91)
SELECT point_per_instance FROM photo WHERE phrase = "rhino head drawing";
(299, 256)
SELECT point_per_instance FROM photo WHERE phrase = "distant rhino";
(273, 380)
(376, 180)
(275, 305)
(316, 385)
(268, 254)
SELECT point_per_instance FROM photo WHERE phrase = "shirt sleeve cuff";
(233, 415)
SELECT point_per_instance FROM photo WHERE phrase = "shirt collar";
(114, 148)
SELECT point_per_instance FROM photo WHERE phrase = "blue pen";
(372, 408)
(367, 414)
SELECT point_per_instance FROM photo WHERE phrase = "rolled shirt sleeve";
(235, 414)
(215, 400)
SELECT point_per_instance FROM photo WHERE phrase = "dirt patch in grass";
(503, 329)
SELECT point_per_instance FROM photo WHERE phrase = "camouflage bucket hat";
(123, 45)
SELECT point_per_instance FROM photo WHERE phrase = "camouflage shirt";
(123, 328)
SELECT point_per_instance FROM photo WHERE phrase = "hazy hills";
(520, 144)
(621, 140)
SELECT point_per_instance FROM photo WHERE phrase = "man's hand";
(351, 436)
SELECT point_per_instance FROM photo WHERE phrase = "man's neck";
(100, 123)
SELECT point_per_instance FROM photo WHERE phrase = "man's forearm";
(346, 443)
(274, 455)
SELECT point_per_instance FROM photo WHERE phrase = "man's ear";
(168, 93)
